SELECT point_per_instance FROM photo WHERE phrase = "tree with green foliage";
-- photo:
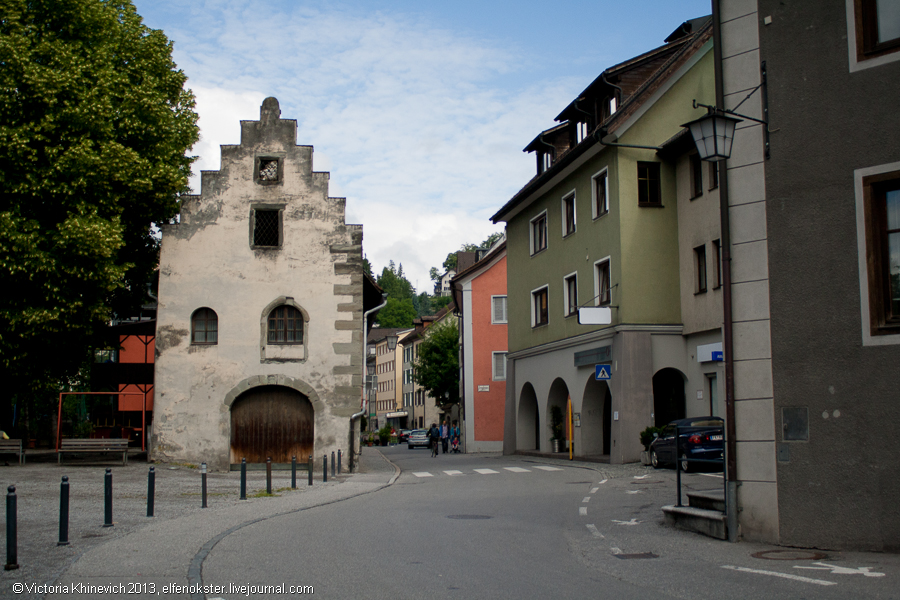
(94, 125)
(400, 309)
(437, 367)
(450, 262)
(397, 314)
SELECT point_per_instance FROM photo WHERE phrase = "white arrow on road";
(631, 522)
(836, 570)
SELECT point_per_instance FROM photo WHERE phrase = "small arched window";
(285, 325)
(204, 326)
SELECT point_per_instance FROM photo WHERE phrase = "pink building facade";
(480, 295)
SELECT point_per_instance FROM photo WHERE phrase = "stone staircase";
(705, 513)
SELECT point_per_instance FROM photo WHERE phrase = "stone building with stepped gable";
(261, 299)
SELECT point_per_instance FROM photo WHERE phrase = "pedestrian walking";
(445, 436)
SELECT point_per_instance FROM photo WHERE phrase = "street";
(488, 526)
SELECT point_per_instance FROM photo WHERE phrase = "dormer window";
(581, 132)
(613, 105)
(546, 160)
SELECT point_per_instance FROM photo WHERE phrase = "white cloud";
(411, 120)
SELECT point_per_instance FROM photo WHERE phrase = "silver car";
(418, 438)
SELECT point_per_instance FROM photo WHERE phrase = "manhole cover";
(641, 555)
(790, 555)
(469, 517)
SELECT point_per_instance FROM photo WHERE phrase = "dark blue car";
(700, 437)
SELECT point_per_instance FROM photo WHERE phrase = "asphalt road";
(487, 526)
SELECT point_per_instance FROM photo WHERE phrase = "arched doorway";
(271, 421)
(558, 398)
(596, 417)
(668, 396)
(528, 422)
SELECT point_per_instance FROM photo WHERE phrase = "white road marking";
(487, 471)
(641, 476)
(634, 492)
(594, 490)
(604, 481)
(517, 469)
(593, 529)
(423, 474)
(719, 476)
(615, 550)
(836, 570)
(548, 468)
(631, 522)
(783, 575)
(587, 499)
(582, 511)
(453, 472)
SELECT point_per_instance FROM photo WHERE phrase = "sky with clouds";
(419, 110)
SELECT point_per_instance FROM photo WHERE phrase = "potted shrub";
(647, 436)
(556, 428)
(384, 434)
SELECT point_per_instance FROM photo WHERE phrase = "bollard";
(339, 460)
(107, 499)
(325, 468)
(12, 558)
(332, 464)
(63, 512)
(243, 479)
(309, 469)
(151, 490)
(269, 475)
(203, 484)
(293, 472)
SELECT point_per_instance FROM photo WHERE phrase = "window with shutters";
(499, 366)
(498, 309)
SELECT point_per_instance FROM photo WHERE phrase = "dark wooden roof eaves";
(538, 142)
(680, 143)
(627, 108)
(378, 334)
(455, 291)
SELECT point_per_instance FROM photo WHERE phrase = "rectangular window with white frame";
(602, 279)
(568, 214)
(498, 310)
(600, 194)
(570, 294)
(540, 313)
(539, 233)
(499, 360)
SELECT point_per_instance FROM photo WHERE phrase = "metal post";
(151, 490)
(309, 469)
(243, 479)
(332, 464)
(678, 464)
(203, 484)
(107, 499)
(293, 472)
(63, 512)
(325, 468)
(339, 460)
(269, 475)
(12, 558)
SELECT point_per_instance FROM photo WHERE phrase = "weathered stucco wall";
(208, 260)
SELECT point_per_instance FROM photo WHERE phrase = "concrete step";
(710, 500)
(699, 520)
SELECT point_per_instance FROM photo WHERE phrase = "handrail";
(721, 461)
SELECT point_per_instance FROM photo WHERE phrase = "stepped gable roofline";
(627, 108)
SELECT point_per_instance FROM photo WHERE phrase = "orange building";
(479, 292)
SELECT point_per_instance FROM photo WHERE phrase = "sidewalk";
(167, 548)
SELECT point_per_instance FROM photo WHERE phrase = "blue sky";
(419, 110)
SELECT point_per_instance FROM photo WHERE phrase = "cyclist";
(435, 434)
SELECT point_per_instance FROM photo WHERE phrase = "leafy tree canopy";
(450, 261)
(397, 313)
(94, 125)
(437, 367)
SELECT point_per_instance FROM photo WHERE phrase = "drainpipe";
(364, 405)
(731, 508)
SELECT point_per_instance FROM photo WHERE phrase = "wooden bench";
(12, 447)
(103, 445)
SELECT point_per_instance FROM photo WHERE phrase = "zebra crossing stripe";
(517, 469)
(453, 472)
(487, 471)
(423, 474)
(548, 468)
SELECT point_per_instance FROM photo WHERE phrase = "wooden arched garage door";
(271, 421)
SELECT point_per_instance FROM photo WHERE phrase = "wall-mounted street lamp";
(713, 133)
(391, 341)
(370, 368)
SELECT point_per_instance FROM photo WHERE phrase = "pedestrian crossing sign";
(603, 373)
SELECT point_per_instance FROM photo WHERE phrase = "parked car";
(404, 435)
(700, 437)
(418, 438)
